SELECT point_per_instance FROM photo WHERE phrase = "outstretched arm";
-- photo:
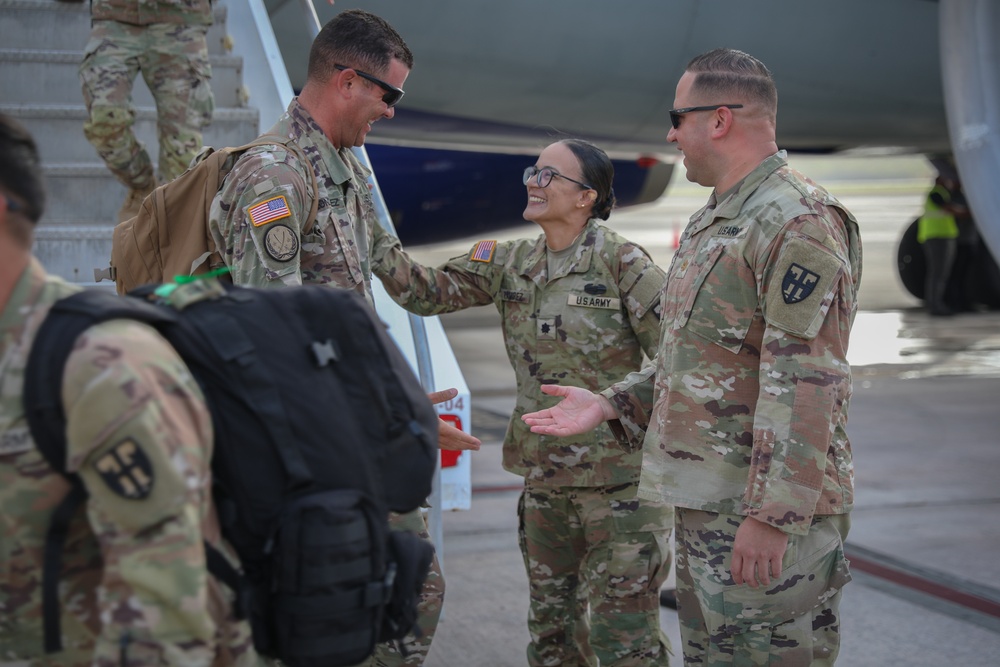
(450, 437)
(580, 411)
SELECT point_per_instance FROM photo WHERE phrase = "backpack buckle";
(109, 273)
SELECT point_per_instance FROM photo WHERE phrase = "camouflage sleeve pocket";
(646, 291)
(278, 247)
(798, 293)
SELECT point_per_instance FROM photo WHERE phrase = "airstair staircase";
(41, 45)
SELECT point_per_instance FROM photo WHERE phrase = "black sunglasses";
(392, 94)
(675, 114)
(544, 177)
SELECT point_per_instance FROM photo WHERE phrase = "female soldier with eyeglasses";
(579, 305)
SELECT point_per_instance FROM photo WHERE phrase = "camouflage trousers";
(173, 59)
(428, 610)
(596, 558)
(793, 622)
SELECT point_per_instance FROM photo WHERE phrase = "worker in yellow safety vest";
(937, 231)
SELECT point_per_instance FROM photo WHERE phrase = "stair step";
(50, 77)
(85, 192)
(58, 129)
(41, 45)
(30, 24)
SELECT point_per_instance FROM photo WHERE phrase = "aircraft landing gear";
(974, 285)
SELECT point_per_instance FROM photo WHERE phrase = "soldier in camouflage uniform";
(260, 218)
(165, 40)
(745, 407)
(578, 305)
(134, 588)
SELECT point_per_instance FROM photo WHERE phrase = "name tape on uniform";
(588, 301)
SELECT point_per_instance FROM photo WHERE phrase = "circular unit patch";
(281, 243)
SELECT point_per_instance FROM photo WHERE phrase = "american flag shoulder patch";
(483, 251)
(269, 210)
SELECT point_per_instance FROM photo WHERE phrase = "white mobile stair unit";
(41, 45)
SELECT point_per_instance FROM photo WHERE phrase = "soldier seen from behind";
(134, 589)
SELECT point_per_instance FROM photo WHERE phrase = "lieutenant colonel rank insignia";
(483, 251)
(269, 210)
(126, 470)
(798, 283)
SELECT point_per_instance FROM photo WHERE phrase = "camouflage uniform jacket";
(145, 12)
(584, 327)
(748, 409)
(258, 217)
(133, 579)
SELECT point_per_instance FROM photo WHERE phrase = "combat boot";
(133, 201)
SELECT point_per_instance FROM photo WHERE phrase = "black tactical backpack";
(320, 429)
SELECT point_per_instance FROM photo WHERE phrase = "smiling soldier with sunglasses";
(742, 416)
(263, 224)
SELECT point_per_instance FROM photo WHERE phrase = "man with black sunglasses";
(744, 409)
(260, 218)
(263, 222)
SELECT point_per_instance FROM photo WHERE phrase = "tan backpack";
(170, 236)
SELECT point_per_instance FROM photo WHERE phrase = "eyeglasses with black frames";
(392, 94)
(544, 176)
(12, 205)
(675, 114)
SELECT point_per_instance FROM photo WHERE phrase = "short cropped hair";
(21, 169)
(358, 39)
(598, 172)
(733, 75)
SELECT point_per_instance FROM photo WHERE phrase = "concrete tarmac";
(924, 424)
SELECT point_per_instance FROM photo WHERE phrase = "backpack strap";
(55, 539)
(43, 409)
(221, 569)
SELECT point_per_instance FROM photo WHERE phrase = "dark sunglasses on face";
(392, 94)
(675, 114)
(544, 176)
